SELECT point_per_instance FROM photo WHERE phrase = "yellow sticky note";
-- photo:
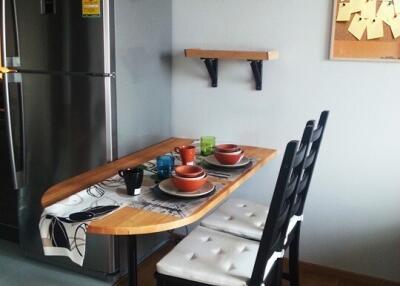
(369, 9)
(374, 29)
(344, 13)
(356, 5)
(396, 4)
(358, 26)
(386, 11)
(394, 24)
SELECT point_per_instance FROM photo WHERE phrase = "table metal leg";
(132, 261)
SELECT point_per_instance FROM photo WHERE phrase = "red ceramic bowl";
(227, 158)
(189, 171)
(227, 148)
(232, 153)
(189, 184)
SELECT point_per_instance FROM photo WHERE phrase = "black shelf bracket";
(212, 67)
(257, 67)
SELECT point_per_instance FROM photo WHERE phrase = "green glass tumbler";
(207, 145)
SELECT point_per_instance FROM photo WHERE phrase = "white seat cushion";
(242, 218)
(214, 258)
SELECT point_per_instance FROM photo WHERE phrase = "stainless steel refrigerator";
(88, 82)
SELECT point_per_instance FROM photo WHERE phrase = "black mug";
(133, 178)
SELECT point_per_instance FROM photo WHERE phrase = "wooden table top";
(130, 221)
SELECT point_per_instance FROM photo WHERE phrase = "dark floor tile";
(314, 279)
(390, 284)
(349, 282)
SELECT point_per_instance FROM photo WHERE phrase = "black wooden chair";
(246, 218)
(209, 257)
(293, 241)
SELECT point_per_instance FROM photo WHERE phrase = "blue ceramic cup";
(165, 165)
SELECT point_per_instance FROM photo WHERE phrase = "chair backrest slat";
(303, 183)
(300, 155)
(296, 207)
(281, 219)
(310, 159)
(317, 133)
(291, 186)
(309, 163)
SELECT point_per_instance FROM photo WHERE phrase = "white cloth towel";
(63, 225)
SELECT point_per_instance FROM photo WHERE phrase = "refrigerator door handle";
(13, 105)
(4, 60)
(15, 126)
(15, 60)
(3, 32)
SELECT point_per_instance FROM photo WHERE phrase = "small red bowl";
(188, 184)
(232, 153)
(227, 148)
(228, 159)
(187, 171)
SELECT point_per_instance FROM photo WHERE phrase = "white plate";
(213, 161)
(167, 186)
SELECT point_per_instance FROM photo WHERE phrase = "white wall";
(352, 217)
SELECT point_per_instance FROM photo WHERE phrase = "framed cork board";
(366, 30)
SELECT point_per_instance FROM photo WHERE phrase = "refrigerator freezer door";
(60, 39)
(65, 136)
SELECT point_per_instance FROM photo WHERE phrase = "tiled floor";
(17, 270)
(309, 277)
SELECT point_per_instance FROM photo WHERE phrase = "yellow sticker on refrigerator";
(91, 8)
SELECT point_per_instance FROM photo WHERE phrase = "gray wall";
(143, 66)
(352, 217)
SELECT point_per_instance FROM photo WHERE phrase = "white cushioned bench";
(213, 258)
(242, 218)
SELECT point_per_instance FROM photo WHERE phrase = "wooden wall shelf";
(211, 57)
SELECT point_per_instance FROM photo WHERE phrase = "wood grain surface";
(130, 221)
(234, 55)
